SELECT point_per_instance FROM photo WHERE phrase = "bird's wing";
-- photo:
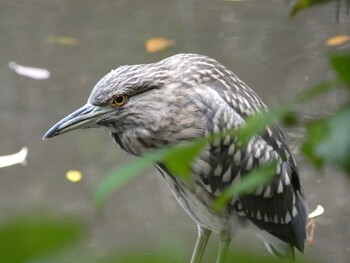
(279, 207)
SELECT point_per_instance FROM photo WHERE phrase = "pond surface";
(275, 55)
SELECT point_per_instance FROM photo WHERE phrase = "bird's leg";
(311, 229)
(225, 239)
(202, 240)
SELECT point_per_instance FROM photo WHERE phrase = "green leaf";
(341, 64)
(257, 123)
(290, 119)
(246, 256)
(316, 132)
(172, 256)
(336, 147)
(329, 140)
(313, 92)
(168, 256)
(179, 159)
(120, 176)
(303, 4)
(25, 238)
(249, 183)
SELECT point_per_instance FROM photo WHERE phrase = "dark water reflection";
(276, 56)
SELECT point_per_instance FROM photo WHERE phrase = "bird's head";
(142, 106)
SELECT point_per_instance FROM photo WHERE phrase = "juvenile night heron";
(188, 96)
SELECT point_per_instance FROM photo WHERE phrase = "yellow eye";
(119, 100)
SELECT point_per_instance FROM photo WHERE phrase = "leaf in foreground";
(257, 123)
(341, 64)
(120, 176)
(172, 256)
(25, 238)
(168, 256)
(328, 140)
(178, 159)
(316, 131)
(336, 148)
(249, 183)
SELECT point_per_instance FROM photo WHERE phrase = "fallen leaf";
(61, 40)
(16, 158)
(30, 72)
(74, 176)
(157, 44)
(337, 40)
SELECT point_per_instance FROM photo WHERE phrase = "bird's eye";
(119, 100)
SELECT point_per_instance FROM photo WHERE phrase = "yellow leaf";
(74, 176)
(337, 40)
(61, 40)
(157, 44)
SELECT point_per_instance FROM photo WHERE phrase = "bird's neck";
(140, 141)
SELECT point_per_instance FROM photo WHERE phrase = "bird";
(184, 97)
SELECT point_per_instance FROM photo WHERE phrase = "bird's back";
(278, 208)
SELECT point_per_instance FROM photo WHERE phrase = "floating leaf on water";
(30, 72)
(62, 40)
(74, 176)
(337, 40)
(317, 212)
(157, 44)
(16, 158)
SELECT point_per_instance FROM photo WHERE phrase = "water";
(277, 56)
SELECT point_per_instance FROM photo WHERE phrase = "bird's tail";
(277, 247)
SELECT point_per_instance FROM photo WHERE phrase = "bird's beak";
(84, 117)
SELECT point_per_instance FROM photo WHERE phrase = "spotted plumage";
(188, 96)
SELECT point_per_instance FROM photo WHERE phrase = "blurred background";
(78, 42)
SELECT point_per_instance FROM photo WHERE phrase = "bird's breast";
(198, 203)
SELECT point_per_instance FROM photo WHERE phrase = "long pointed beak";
(84, 117)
